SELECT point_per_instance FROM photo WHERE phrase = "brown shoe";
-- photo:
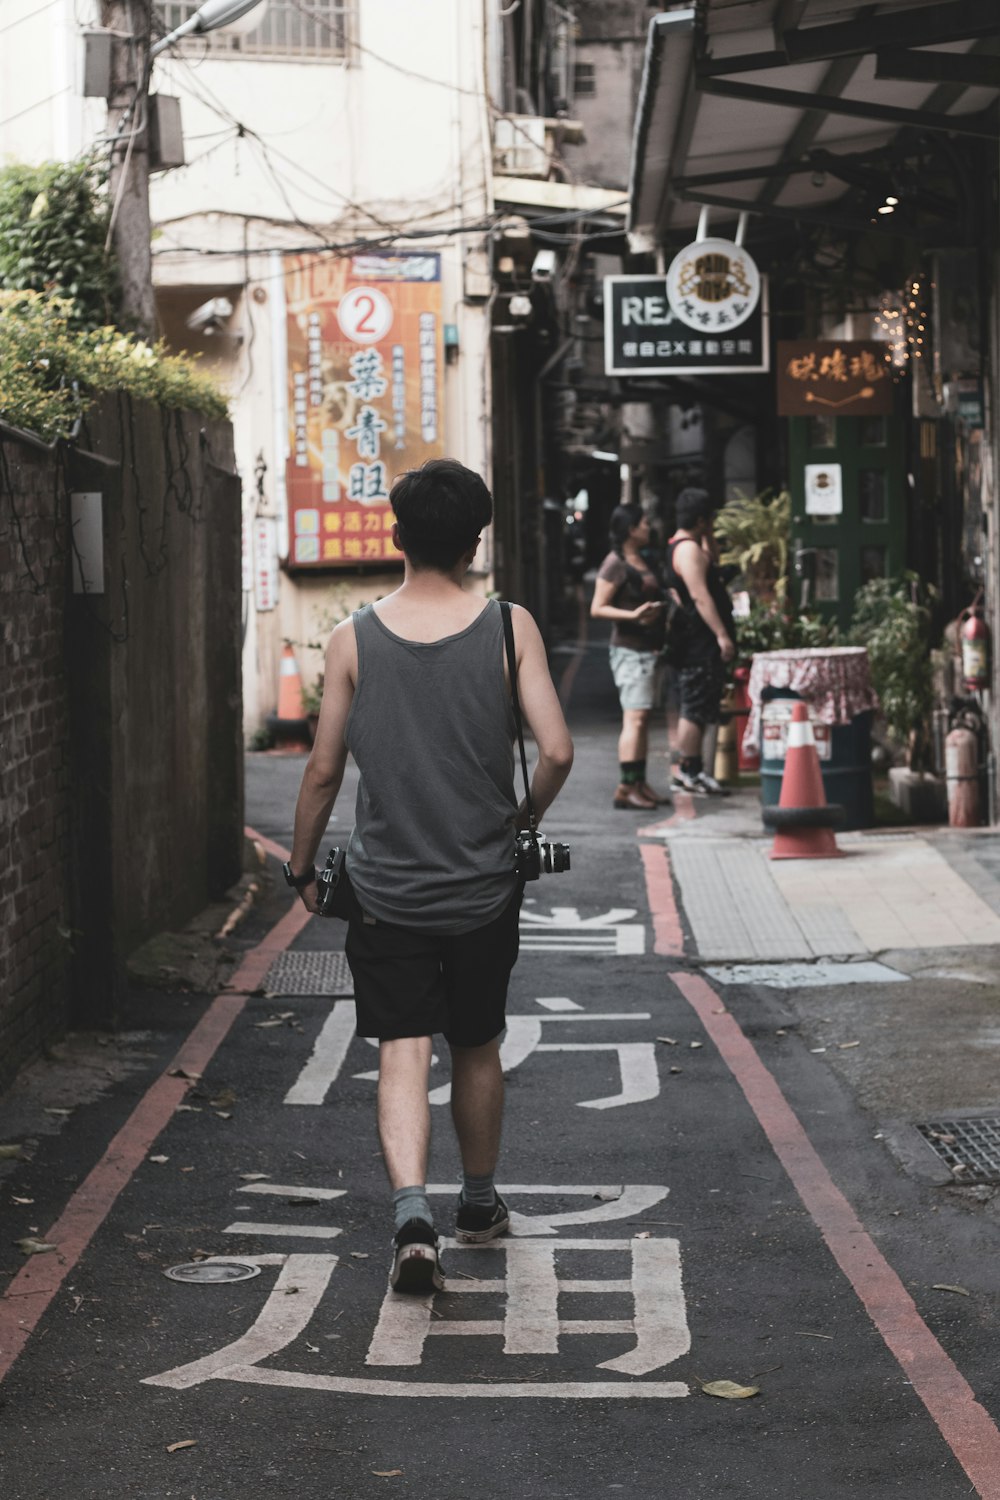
(663, 798)
(633, 797)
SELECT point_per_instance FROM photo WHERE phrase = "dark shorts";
(701, 688)
(413, 983)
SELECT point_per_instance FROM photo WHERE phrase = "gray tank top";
(432, 730)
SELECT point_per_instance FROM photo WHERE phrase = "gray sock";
(479, 1190)
(411, 1203)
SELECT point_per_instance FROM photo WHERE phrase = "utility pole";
(130, 23)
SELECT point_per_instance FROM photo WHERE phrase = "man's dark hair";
(623, 519)
(693, 505)
(440, 510)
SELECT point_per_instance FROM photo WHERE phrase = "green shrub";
(753, 531)
(53, 229)
(770, 628)
(892, 620)
(51, 372)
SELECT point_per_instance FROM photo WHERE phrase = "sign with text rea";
(645, 334)
(843, 378)
(365, 358)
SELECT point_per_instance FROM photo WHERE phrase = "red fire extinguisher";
(975, 639)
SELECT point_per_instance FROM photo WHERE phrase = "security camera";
(210, 316)
(543, 267)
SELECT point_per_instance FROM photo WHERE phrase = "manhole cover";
(212, 1272)
(970, 1148)
(309, 974)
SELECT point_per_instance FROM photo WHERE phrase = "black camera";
(330, 893)
(532, 856)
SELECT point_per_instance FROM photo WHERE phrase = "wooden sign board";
(838, 377)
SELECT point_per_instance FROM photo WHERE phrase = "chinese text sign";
(364, 398)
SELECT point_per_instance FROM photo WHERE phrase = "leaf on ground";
(360, 1255)
(611, 1196)
(728, 1389)
(159, 1160)
(677, 1070)
(943, 1286)
(253, 1176)
(34, 1247)
(695, 1045)
(53, 1110)
(184, 1443)
(668, 1041)
(260, 1025)
(187, 1073)
(223, 1100)
(643, 1234)
(15, 1199)
(223, 1114)
(386, 1473)
(844, 1046)
(11, 1153)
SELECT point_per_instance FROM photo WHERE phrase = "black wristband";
(298, 881)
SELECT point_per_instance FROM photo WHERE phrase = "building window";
(584, 80)
(289, 29)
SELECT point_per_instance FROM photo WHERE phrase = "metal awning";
(788, 108)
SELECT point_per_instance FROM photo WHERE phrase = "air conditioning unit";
(519, 148)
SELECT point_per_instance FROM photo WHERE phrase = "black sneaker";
(474, 1225)
(416, 1269)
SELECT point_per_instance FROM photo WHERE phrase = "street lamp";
(209, 17)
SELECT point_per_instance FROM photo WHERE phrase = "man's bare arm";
(542, 713)
(692, 564)
(324, 770)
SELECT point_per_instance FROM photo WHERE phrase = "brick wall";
(34, 757)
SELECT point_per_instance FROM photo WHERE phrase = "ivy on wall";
(59, 346)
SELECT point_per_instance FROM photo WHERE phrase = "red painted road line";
(33, 1288)
(965, 1426)
(668, 936)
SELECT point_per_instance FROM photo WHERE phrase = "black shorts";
(701, 687)
(413, 983)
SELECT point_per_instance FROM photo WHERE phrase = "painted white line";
(558, 1190)
(279, 1323)
(558, 1390)
(295, 1231)
(569, 917)
(523, 1037)
(637, 1060)
(283, 1190)
(557, 1002)
(661, 1327)
(324, 1065)
(531, 1322)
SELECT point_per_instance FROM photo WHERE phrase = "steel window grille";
(289, 29)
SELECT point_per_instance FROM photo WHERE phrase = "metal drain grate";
(970, 1148)
(309, 974)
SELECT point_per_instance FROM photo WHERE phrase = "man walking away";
(416, 689)
(707, 637)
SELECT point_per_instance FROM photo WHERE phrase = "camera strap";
(508, 636)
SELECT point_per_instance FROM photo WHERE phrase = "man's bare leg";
(404, 1114)
(477, 1105)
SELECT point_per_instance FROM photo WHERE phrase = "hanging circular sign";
(713, 285)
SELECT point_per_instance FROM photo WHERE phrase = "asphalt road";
(673, 1229)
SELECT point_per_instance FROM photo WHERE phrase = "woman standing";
(628, 593)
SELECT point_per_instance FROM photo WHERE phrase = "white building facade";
(325, 249)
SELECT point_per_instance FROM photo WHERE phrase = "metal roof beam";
(745, 62)
(968, 69)
(985, 125)
(888, 225)
(956, 21)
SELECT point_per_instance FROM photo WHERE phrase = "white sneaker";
(683, 781)
(710, 786)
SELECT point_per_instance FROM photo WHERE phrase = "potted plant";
(892, 620)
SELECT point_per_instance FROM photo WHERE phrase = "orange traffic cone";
(803, 821)
(290, 702)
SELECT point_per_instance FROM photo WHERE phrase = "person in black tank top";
(705, 639)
